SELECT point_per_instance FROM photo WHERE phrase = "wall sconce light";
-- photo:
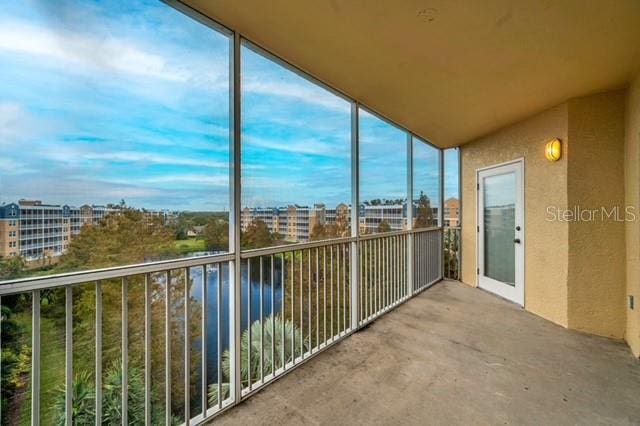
(553, 150)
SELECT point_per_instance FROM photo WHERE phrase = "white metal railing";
(427, 259)
(161, 335)
(383, 274)
(303, 305)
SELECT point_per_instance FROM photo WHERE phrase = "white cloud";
(305, 146)
(17, 124)
(148, 157)
(88, 53)
(306, 93)
(199, 179)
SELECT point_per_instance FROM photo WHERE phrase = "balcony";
(455, 355)
(149, 324)
(272, 185)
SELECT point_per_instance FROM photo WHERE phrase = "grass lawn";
(190, 245)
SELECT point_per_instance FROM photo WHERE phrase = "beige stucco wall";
(597, 277)
(632, 193)
(575, 272)
(546, 249)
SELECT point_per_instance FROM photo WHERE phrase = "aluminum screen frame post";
(409, 215)
(354, 271)
(459, 256)
(235, 307)
(441, 211)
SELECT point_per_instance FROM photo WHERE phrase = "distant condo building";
(42, 232)
(452, 212)
(295, 223)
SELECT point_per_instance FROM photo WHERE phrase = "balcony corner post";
(354, 269)
(235, 307)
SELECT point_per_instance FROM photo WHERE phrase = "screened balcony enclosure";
(255, 230)
(201, 199)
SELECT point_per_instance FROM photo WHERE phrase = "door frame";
(517, 294)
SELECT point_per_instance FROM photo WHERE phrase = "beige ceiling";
(448, 70)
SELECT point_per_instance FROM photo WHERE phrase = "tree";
(124, 238)
(257, 235)
(319, 232)
(16, 357)
(272, 327)
(342, 228)
(384, 226)
(11, 267)
(83, 404)
(424, 216)
(216, 234)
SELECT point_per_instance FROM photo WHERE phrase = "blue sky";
(110, 100)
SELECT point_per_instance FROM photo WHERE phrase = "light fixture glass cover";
(553, 150)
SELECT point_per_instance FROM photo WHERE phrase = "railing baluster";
(360, 282)
(386, 272)
(324, 288)
(309, 298)
(282, 309)
(35, 358)
(261, 310)
(345, 287)
(98, 354)
(301, 306)
(187, 348)
(331, 287)
(1, 354)
(376, 245)
(338, 288)
(401, 240)
(220, 281)
(250, 340)
(396, 268)
(380, 269)
(167, 348)
(273, 322)
(204, 341)
(124, 322)
(426, 256)
(68, 400)
(421, 265)
(147, 349)
(317, 281)
(393, 258)
(293, 308)
(370, 278)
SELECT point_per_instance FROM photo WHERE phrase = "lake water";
(216, 277)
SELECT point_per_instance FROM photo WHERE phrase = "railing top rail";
(59, 280)
(394, 233)
(247, 254)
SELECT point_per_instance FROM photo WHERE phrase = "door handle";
(517, 240)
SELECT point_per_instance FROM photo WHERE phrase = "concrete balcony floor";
(456, 355)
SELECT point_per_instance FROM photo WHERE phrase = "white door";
(501, 231)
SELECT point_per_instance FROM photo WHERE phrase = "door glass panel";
(499, 227)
